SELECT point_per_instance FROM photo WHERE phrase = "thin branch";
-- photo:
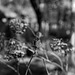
(29, 70)
(52, 53)
(33, 32)
(11, 67)
(53, 64)
(18, 67)
(29, 65)
(45, 67)
(44, 52)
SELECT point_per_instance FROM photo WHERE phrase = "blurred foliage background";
(53, 18)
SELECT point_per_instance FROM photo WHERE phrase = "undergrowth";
(14, 49)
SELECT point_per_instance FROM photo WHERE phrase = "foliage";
(15, 49)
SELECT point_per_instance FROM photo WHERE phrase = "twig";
(33, 32)
(44, 52)
(11, 67)
(29, 65)
(45, 67)
(53, 63)
(52, 53)
(26, 66)
(29, 70)
(18, 67)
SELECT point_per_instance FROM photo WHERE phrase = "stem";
(18, 67)
(45, 52)
(33, 32)
(45, 67)
(11, 67)
(29, 70)
(53, 64)
(29, 65)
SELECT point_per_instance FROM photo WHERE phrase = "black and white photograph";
(37, 37)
